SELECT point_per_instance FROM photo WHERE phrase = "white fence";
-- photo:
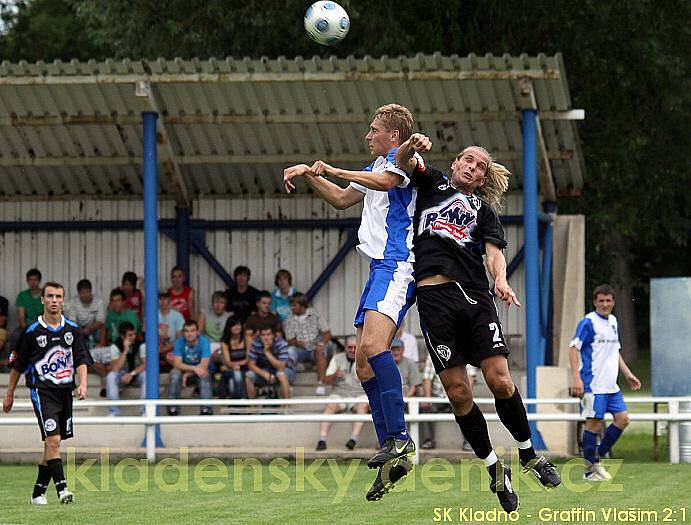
(149, 419)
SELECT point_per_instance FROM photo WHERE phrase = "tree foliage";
(627, 65)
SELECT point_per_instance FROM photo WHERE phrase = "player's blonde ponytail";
(495, 186)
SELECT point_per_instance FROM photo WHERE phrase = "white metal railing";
(149, 418)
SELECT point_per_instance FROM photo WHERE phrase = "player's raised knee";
(622, 420)
(461, 397)
(500, 383)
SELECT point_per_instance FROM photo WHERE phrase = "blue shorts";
(390, 290)
(597, 405)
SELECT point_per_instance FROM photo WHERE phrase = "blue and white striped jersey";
(597, 338)
(386, 230)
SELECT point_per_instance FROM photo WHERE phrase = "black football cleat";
(501, 486)
(392, 449)
(387, 477)
(544, 471)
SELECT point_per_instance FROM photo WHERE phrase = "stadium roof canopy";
(230, 126)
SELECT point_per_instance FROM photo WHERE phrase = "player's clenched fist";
(420, 142)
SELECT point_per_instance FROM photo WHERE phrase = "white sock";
(491, 459)
(524, 444)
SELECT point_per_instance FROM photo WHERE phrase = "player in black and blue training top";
(49, 352)
(456, 223)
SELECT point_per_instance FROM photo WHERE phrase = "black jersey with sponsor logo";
(48, 357)
(451, 230)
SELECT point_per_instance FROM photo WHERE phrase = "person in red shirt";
(181, 295)
(134, 297)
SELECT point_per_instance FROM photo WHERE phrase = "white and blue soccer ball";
(326, 23)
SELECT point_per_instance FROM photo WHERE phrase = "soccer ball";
(326, 23)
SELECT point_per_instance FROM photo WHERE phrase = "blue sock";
(371, 388)
(389, 379)
(589, 446)
(611, 435)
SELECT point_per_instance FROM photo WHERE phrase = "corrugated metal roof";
(233, 125)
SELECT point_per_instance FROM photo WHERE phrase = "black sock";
(56, 472)
(42, 481)
(512, 414)
(474, 429)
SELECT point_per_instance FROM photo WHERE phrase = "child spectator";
(235, 360)
(134, 297)
(242, 298)
(280, 297)
(212, 321)
(181, 295)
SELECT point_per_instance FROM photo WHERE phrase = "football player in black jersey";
(456, 223)
(49, 352)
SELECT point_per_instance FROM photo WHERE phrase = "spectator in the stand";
(29, 305)
(134, 296)
(170, 323)
(212, 322)
(181, 295)
(192, 355)
(307, 333)
(242, 298)
(4, 312)
(262, 318)
(410, 349)
(342, 375)
(88, 311)
(280, 297)
(410, 373)
(117, 313)
(235, 361)
(124, 368)
(269, 363)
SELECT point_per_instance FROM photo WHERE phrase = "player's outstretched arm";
(383, 181)
(339, 198)
(405, 153)
(496, 265)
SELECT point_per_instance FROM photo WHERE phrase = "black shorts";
(53, 409)
(461, 326)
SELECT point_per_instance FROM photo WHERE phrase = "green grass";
(279, 497)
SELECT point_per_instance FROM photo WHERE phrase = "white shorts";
(390, 290)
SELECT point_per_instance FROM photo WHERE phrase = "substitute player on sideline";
(385, 236)
(597, 342)
(456, 222)
(49, 351)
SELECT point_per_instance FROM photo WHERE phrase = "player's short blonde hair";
(497, 181)
(396, 117)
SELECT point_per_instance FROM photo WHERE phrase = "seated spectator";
(4, 311)
(342, 375)
(29, 306)
(410, 373)
(269, 363)
(124, 369)
(117, 313)
(182, 296)
(432, 387)
(234, 352)
(134, 297)
(307, 333)
(87, 311)
(410, 349)
(262, 318)
(242, 298)
(280, 297)
(170, 323)
(192, 355)
(212, 322)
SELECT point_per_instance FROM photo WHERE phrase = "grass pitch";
(333, 492)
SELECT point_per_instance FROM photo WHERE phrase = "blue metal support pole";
(532, 259)
(182, 239)
(217, 267)
(151, 256)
